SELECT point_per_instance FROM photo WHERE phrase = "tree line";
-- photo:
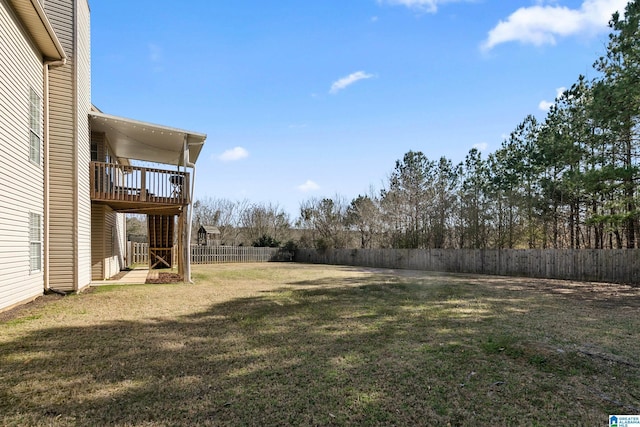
(242, 223)
(568, 181)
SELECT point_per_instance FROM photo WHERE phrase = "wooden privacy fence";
(226, 254)
(138, 253)
(597, 265)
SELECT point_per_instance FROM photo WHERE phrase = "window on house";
(35, 242)
(94, 151)
(35, 126)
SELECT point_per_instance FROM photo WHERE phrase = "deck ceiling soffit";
(34, 18)
(135, 140)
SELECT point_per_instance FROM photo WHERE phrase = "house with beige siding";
(70, 172)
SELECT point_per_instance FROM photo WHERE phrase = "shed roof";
(133, 139)
(210, 229)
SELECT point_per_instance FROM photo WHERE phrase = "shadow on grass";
(377, 354)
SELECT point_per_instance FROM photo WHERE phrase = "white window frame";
(35, 127)
(35, 242)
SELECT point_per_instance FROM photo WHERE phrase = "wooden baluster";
(143, 184)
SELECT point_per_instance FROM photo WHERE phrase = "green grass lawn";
(287, 344)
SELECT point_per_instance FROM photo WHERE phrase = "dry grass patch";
(280, 344)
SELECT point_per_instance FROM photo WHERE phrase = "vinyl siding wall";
(108, 229)
(69, 156)
(108, 242)
(83, 50)
(97, 242)
(22, 181)
(118, 255)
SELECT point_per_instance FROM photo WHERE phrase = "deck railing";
(124, 183)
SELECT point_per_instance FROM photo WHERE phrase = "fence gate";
(160, 228)
(137, 253)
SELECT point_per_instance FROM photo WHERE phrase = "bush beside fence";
(598, 265)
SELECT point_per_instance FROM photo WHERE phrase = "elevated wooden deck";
(138, 189)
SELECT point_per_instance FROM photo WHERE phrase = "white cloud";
(543, 24)
(155, 52)
(430, 6)
(308, 186)
(156, 56)
(546, 105)
(236, 153)
(482, 146)
(344, 82)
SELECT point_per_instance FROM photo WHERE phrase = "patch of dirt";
(165, 278)
(606, 295)
(36, 304)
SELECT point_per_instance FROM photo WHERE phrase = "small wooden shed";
(208, 235)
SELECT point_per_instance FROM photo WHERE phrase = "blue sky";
(304, 98)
